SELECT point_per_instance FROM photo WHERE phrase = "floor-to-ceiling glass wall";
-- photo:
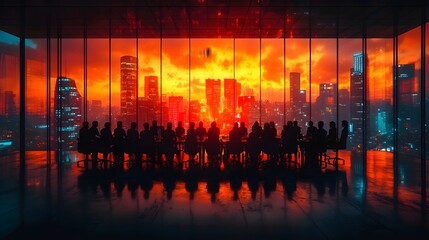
(213, 88)
(380, 114)
(149, 81)
(409, 109)
(323, 81)
(247, 73)
(298, 81)
(272, 85)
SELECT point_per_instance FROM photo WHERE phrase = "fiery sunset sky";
(177, 73)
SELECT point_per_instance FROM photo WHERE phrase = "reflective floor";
(67, 202)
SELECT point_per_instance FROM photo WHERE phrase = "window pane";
(273, 82)
(175, 81)
(247, 72)
(213, 87)
(297, 85)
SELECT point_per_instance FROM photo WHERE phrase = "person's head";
(133, 125)
(192, 125)
(95, 123)
(119, 124)
(310, 123)
(255, 128)
(179, 123)
(320, 124)
(266, 125)
(332, 124)
(169, 125)
(344, 123)
(107, 125)
(242, 124)
(272, 124)
(236, 125)
(146, 126)
(284, 127)
(154, 123)
(200, 124)
(295, 123)
(213, 124)
(289, 123)
(256, 123)
(85, 124)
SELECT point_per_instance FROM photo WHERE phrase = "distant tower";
(231, 92)
(151, 88)
(213, 97)
(356, 99)
(128, 89)
(68, 113)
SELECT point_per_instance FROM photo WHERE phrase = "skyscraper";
(68, 113)
(231, 92)
(408, 108)
(295, 84)
(151, 88)
(213, 97)
(325, 105)
(128, 89)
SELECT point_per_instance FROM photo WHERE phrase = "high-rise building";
(295, 84)
(68, 113)
(176, 111)
(231, 92)
(128, 89)
(151, 88)
(408, 109)
(325, 105)
(213, 97)
(9, 104)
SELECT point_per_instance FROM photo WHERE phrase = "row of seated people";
(265, 140)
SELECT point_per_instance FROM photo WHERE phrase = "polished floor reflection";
(67, 202)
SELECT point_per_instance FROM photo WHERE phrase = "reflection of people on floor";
(213, 179)
(191, 180)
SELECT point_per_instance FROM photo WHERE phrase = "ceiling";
(211, 19)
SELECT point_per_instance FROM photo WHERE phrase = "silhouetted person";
(154, 129)
(234, 145)
(331, 139)
(311, 131)
(94, 136)
(133, 142)
(321, 140)
(201, 130)
(119, 139)
(253, 146)
(180, 130)
(297, 129)
(147, 144)
(344, 134)
(289, 141)
(84, 141)
(212, 144)
(235, 179)
(243, 130)
(169, 143)
(106, 141)
(191, 143)
(311, 148)
(269, 144)
(273, 128)
(257, 128)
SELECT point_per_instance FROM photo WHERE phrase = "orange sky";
(220, 64)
